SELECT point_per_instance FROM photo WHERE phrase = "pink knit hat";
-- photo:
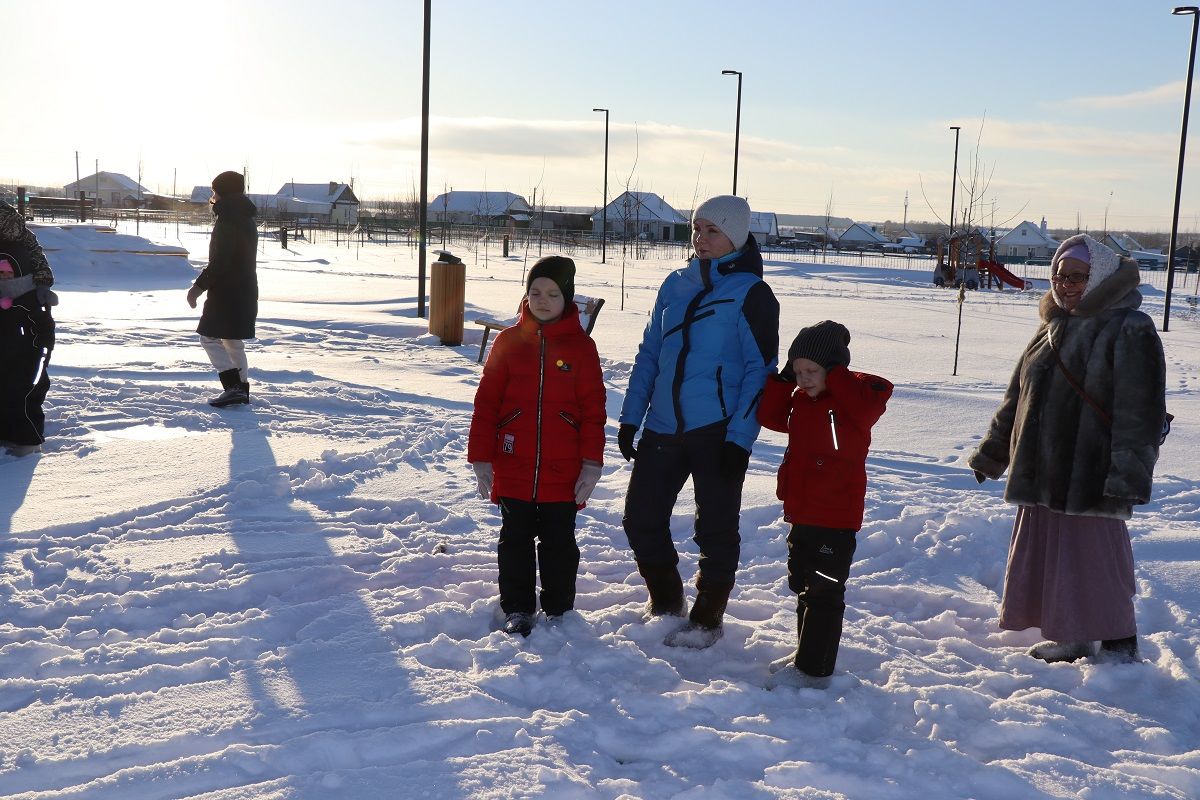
(1078, 251)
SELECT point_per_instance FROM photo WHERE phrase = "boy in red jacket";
(827, 412)
(537, 442)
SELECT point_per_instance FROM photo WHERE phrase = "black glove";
(625, 443)
(787, 374)
(734, 461)
(979, 476)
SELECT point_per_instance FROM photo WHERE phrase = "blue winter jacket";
(707, 350)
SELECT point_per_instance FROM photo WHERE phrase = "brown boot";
(704, 627)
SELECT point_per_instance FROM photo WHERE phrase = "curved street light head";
(1182, 10)
(605, 110)
(730, 72)
(956, 127)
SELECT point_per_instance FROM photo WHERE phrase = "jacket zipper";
(833, 428)
(721, 392)
(567, 419)
(508, 419)
(537, 461)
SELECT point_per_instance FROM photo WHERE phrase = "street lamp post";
(953, 186)
(423, 211)
(604, 208)
(1187, 102)
(737, 131)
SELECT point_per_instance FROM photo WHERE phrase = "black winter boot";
(703, 628)
(1122, 651)
(234, 394)
(665, 588)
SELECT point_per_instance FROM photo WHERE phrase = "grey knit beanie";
(730, 214)
(825, 343)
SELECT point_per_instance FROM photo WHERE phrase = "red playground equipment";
(972, 261)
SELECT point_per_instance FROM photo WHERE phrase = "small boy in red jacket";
(827, 411)
(537, 442)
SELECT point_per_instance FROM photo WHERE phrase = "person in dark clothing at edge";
(26, 335)
(708, 348)
(232, 285)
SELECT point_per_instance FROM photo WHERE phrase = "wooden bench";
(589, 309)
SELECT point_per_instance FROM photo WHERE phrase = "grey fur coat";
(1059, 451)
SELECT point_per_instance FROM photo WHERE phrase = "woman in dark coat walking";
(26, 335)
(1078, 432)
(232, 285)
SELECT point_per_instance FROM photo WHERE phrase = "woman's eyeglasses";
(1074, 278)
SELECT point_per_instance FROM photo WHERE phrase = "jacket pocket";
(570, 420)
(508, 420)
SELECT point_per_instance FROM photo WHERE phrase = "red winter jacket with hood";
(823, 478)
(539, 409)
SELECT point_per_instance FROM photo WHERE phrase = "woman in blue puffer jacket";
(707, 350)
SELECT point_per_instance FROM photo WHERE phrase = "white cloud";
(1166, 94)
(1048, 137)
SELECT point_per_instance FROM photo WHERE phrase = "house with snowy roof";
(860, 235)
(108, 189)
(765, 227)
(642, 215)
(324, 202)
(1027, 240)
(494, 209)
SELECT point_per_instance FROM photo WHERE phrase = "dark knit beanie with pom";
(559, 269)
(826, 343)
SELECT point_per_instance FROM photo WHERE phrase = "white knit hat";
(1102, 259)
(730, 214)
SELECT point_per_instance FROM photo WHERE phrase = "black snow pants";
(24, 382)
(818, 568)
(556, 553)
(662, 467)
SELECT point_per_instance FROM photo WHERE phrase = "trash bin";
(447, 297)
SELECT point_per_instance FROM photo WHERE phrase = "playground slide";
(997, 269)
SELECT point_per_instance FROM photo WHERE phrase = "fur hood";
(1058, 450)
(1103, 259)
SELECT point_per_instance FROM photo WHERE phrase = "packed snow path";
(297, 599)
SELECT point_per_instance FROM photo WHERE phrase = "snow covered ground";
(297, 599)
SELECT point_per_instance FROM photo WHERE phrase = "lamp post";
(953, 182)
(604, 208)
(423, 211)
(1187, 102)
(737, 131)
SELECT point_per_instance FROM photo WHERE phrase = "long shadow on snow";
(341, 667)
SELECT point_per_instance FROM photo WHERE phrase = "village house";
(861, 236)
(490, 209)
(1026, 241)
(108, 190)
(643, 215)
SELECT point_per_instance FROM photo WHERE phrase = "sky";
(1068, 110)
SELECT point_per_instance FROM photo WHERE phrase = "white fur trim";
(1104, 261)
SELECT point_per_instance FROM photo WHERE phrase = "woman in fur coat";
(1078, 432)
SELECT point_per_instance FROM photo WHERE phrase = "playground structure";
(970, 260)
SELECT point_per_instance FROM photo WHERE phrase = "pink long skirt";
(1071, 576)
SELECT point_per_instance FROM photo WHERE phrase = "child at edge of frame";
(827, 411)
(537, 443)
